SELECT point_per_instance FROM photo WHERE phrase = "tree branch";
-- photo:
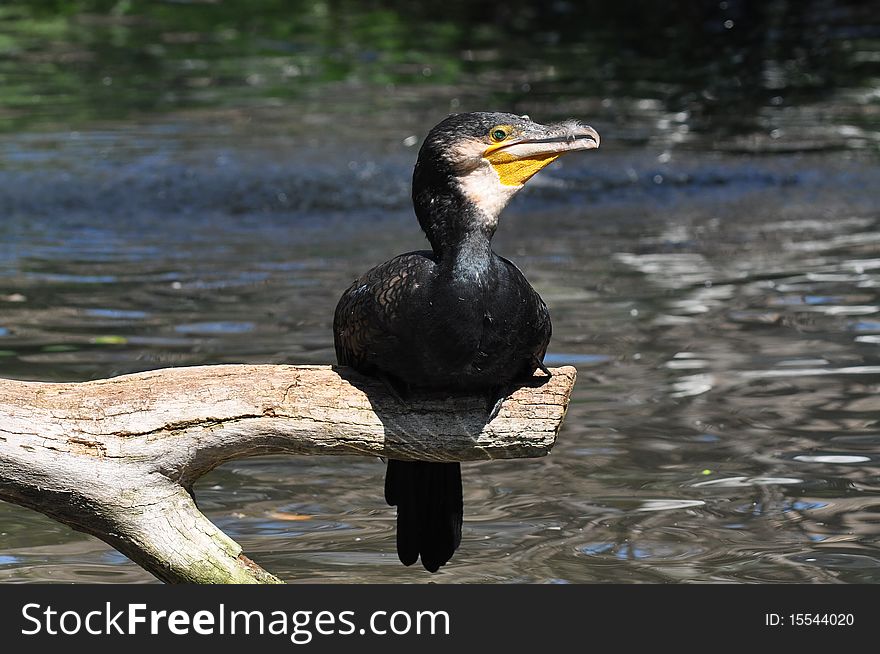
(117, 457)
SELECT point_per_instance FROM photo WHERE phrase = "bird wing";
(367, 317)
(540, 315)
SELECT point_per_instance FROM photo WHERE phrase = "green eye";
(498, 134)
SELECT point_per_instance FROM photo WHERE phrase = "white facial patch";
(478, 180)
(482, 186)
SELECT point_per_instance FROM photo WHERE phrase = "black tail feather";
(429, 510)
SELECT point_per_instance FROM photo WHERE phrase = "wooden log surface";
(117, 457)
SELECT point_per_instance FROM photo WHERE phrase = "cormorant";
(459, 317)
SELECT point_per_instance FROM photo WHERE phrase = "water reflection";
(742, 75)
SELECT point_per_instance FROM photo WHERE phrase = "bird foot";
(542, 367)
(499, 394)
(396, 389)
(496, 399)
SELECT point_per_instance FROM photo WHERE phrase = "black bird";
(457, 318)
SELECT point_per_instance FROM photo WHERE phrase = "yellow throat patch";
(514, 171)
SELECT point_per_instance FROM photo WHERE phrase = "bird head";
(472, 164)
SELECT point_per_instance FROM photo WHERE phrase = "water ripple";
(832, 458)
(724, 424)
(668, 504)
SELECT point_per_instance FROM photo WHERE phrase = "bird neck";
(459, 232)
(460, 237)
(469, 260)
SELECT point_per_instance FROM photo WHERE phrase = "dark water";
(713, 270)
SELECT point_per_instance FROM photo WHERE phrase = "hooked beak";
(553, 139)
(518, 158)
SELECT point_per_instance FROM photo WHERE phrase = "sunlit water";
(715, 278)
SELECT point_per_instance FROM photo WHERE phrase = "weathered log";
(117, 457)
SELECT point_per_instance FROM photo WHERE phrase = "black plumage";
(458, 317)
(412, 320)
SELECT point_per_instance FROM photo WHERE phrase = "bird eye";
(498, 134)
